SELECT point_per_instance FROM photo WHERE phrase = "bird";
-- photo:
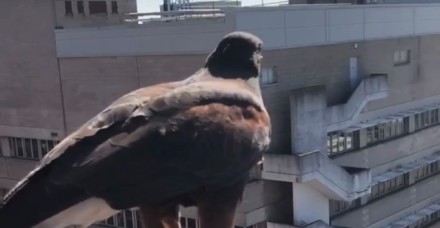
(173, 144)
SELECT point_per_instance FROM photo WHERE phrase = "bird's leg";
(217, 209)
(160, 217)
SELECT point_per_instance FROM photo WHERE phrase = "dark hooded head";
(238, 55)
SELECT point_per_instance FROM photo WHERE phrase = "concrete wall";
(296, 68)
(305, 205)
(91, 84)
(408, 82)
(180, 37)
(279, 27)
(29, 83)
(398, 205)
(12, 170)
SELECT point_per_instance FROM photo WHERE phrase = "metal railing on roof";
(185, 14)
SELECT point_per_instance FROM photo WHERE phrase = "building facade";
(353, 94)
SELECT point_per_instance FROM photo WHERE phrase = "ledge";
(317, 170)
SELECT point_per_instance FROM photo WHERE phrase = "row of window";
(338, 142)
(341, 142)
(387, 130)
(426, 119)
(124, 219)
(30, 148)
(131, 219)
(383, 188)
(95, 7)
(387, 187)
(423, 222)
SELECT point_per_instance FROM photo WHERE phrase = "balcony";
(317, 170)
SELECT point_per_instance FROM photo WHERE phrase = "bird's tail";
(35, 200)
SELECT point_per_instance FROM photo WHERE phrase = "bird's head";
(237, 56)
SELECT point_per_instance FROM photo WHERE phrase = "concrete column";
(309, 205)
(307, 114)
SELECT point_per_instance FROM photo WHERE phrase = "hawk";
(182, 143)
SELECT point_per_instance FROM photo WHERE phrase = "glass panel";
(191, 223)
(120, 219)
(335, 143)
(43, 147)
(13, 146)
(138, 219)
(341, 142)
(129, 219)
(183, 222)
(28, 148)
(349, 140)
(50, 145)
(35, 147)
(20, 152)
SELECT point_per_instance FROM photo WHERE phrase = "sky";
(153, 5)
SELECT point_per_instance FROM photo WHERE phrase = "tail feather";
(36, 200)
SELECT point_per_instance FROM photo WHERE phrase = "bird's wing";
(98, 155)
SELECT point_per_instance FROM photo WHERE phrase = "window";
(191, 223)
(388, 130)
(426, 119)
(80, 6)
(114, 7)
(338, 206)
(188, 223)
(402, 57)
(124, 219)
(30, 148)
(68, 8)
(98, 7)
(338, 142)
(268, 76)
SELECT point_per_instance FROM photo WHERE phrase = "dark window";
(19, 148)
(138, 219)
(114, 7)
(80, 6)
(35, 153)
(129, 219)
(43, 147)
(98, 7)
(191, 223)
(120, 219)
(27, 148)
(183, 222)
(50, 145)
(68, 8)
